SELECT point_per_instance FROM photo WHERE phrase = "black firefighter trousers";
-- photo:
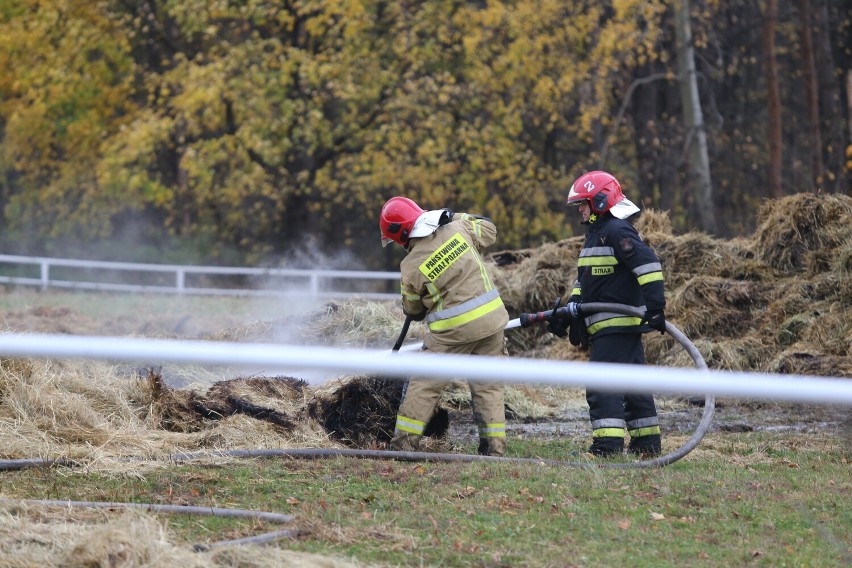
(612, 414)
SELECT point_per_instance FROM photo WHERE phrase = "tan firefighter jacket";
(444, 275)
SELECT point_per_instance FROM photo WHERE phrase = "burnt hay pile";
(777, 302)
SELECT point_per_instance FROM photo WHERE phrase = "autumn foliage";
(247, 127)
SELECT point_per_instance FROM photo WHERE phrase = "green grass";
(763, 500)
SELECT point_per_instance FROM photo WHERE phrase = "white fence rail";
(195, 280)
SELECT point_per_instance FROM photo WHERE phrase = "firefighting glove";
(417, 317)
(577, 333)
(558, 324)
(655, 319)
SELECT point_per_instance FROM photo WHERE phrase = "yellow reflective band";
(614, 322)
(462, 319)
(649, 431)
(486, 280)
(597, 261)
(650, 277)
(575, 291)
(496, 430)
(410, 425)
(449, 252)
(608, 433)
(435, 294)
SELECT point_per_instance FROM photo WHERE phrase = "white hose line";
(599, 376)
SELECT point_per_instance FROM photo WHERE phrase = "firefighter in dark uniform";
(445, 283)
(615, 266)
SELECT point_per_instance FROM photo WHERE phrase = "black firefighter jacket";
(616, 266)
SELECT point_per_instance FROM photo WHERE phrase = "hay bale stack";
(707, 305)
(794, 229)
(748, 303)
(532, 281)
(535, 279)
(654, 222)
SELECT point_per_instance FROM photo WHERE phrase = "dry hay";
(707, 305)
(34, 535)
(359, 323)
(50, 319)
(810, 359)
(536, 280)
(793, 229)
(695, 254)
(85, 411)
(653, 222)
(533, 282)
(71, 409)
(352, 323)
(529, 404)
(843, 260)
(251, 332)
(740, 354)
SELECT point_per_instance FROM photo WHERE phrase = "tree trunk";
(849, 102)
(698, 160)
(812, 90)
(773, 98)
(834, 136)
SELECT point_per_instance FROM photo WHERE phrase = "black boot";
(646, 446)
(606, 446)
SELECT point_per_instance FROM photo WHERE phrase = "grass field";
(747, 499)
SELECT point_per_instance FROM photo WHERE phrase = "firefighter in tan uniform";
(445, 284)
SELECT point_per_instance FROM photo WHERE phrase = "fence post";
(45, 275)
(180, 283)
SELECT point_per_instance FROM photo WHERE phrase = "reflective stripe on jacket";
(444, 275)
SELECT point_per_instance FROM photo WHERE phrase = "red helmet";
(397, 220)
(603, 192)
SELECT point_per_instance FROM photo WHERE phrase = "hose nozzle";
(571, 309)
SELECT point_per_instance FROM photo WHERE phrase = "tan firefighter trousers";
(422, 395)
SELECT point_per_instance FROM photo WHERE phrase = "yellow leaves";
(249, 125)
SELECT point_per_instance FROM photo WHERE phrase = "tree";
(698, 161)
(773, 99)
(812, 90)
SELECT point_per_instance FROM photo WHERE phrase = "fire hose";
(524, 321)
